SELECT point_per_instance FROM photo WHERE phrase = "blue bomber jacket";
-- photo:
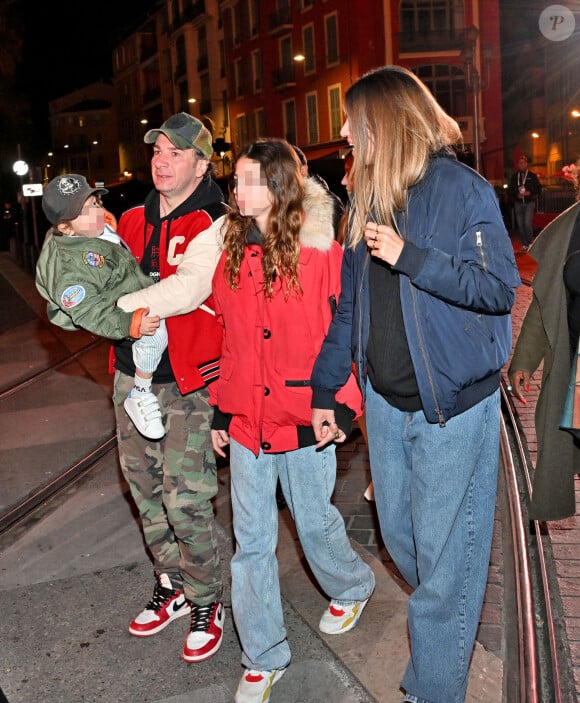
(457, 285)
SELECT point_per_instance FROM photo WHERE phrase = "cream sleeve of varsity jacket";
(190, 285)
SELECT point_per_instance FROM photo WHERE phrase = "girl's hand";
(325, 428)
(219, 440)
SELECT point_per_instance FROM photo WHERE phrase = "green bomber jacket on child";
(82, 279)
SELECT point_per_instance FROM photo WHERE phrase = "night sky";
(69, 45)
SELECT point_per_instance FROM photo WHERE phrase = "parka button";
(266, 446)
(266, 390)
(267, 334)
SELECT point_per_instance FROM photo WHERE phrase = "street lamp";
(474, 82)
(20, 168)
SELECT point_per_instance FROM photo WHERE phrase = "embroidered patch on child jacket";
(91, 258)
(72, 296)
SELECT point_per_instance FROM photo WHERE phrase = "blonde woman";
(427, 286)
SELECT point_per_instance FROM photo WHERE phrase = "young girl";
(82, 270)
(275, 290)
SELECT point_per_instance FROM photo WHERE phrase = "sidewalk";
(67, 585)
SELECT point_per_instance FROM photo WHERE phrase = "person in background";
(305, 171)
(342, 229)
(174, 481)
(524, 189)
(7, 226)
(275, 291)
(549, 335)
(427, 289)
(82, 270)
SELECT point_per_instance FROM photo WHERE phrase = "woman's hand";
(149, 325)
(520, 381)
(383, 242)
(325, 428)
(219, 440)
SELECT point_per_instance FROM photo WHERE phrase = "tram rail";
(24, 509)
(39, 375)
(537, 674)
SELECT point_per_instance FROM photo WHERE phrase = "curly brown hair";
(280, 243)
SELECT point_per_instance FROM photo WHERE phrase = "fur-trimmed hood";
(317, 231)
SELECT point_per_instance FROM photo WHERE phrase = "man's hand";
(219, 440)
(325, 428)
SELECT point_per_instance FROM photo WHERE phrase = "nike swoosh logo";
(178, 605)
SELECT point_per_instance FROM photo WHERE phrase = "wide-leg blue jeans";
(435, 490)
(307, 477)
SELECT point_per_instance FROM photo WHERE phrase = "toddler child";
(83, 268)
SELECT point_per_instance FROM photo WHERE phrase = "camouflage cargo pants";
(172, 483)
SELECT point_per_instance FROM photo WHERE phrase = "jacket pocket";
(480, 244)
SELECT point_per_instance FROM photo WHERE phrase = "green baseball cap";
(185, 132)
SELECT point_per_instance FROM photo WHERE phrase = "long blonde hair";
(396, 125)
(281, 243)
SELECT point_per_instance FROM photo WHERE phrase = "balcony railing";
(284, 77)
(431, 40)
(280, 21)
(190, 13)
(148, 47)
(180, 70)
(202, 62)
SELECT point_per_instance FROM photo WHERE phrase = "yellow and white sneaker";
(341, 618)
(256, 686)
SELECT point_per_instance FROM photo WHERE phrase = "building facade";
(84, 134)
(251, 68)
(454, 47)
(173, 62)
(289, 64)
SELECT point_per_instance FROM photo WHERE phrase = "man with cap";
(173, 481)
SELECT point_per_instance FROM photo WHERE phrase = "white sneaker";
(167, 605)
(144, 411)
(341, 618)
(256, 686)
(206, 632)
